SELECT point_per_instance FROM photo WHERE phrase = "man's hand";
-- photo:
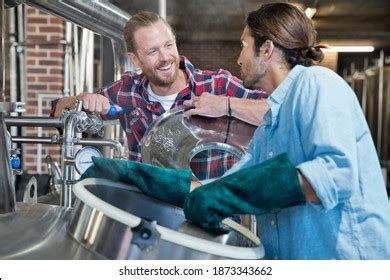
(95, 103)
(208, 105)
(92, 102)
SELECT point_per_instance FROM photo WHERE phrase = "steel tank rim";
(169, 235)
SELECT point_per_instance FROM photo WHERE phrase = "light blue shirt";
(316, 119)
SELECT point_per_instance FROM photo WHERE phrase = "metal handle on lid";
(242, 230)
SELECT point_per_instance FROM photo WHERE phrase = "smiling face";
(156, 54)
(253, 67)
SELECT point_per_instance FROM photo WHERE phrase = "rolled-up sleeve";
(328, 138)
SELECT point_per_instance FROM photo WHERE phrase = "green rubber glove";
(255, 190)
(168, 185)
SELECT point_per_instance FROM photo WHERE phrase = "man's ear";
(268, 48)
(133, 59)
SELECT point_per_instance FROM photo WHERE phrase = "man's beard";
(157, 80)
(252, 80)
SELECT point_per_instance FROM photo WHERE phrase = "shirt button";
(272, 222)
(271, 154)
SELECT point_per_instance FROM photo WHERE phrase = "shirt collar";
(276, 98)
(187, 66)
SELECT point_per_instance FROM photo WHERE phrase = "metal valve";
(88, 122)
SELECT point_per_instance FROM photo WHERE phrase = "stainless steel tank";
(173, 140)
(117, 221)
(39, 232)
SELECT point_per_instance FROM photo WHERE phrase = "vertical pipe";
(162, 8)
(67, 55)
(12, 64)
(381, 64)
(90, 61)
(386, 123)
(2, 96)
(68, 160)
(352, 79)
(68, 169)
(83, 55)
(22, 52)
(364, 91)
(70, 60)
(76, 61)
(12, 54)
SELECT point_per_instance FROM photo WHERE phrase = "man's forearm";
(308, 190)
(64, 103)
(249, 110)
(209, 105)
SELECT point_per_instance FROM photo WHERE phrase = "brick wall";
(45, 60)
(212, 55)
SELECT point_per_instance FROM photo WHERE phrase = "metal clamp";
(19, 107)
(145, 235)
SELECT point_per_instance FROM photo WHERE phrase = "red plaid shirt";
(130, 93)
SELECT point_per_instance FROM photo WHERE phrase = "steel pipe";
(114, 144)
(67, 157)
(381, 65)
(34, 121)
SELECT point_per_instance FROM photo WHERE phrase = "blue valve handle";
(113, 112)
(15, 163)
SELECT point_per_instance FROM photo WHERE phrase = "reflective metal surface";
(107, 219)
(98, 16)
(2, 96)
(33, 121)
(11, 3)
(114, 144)
(39, 232)
(173, 140)
(7, 188)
